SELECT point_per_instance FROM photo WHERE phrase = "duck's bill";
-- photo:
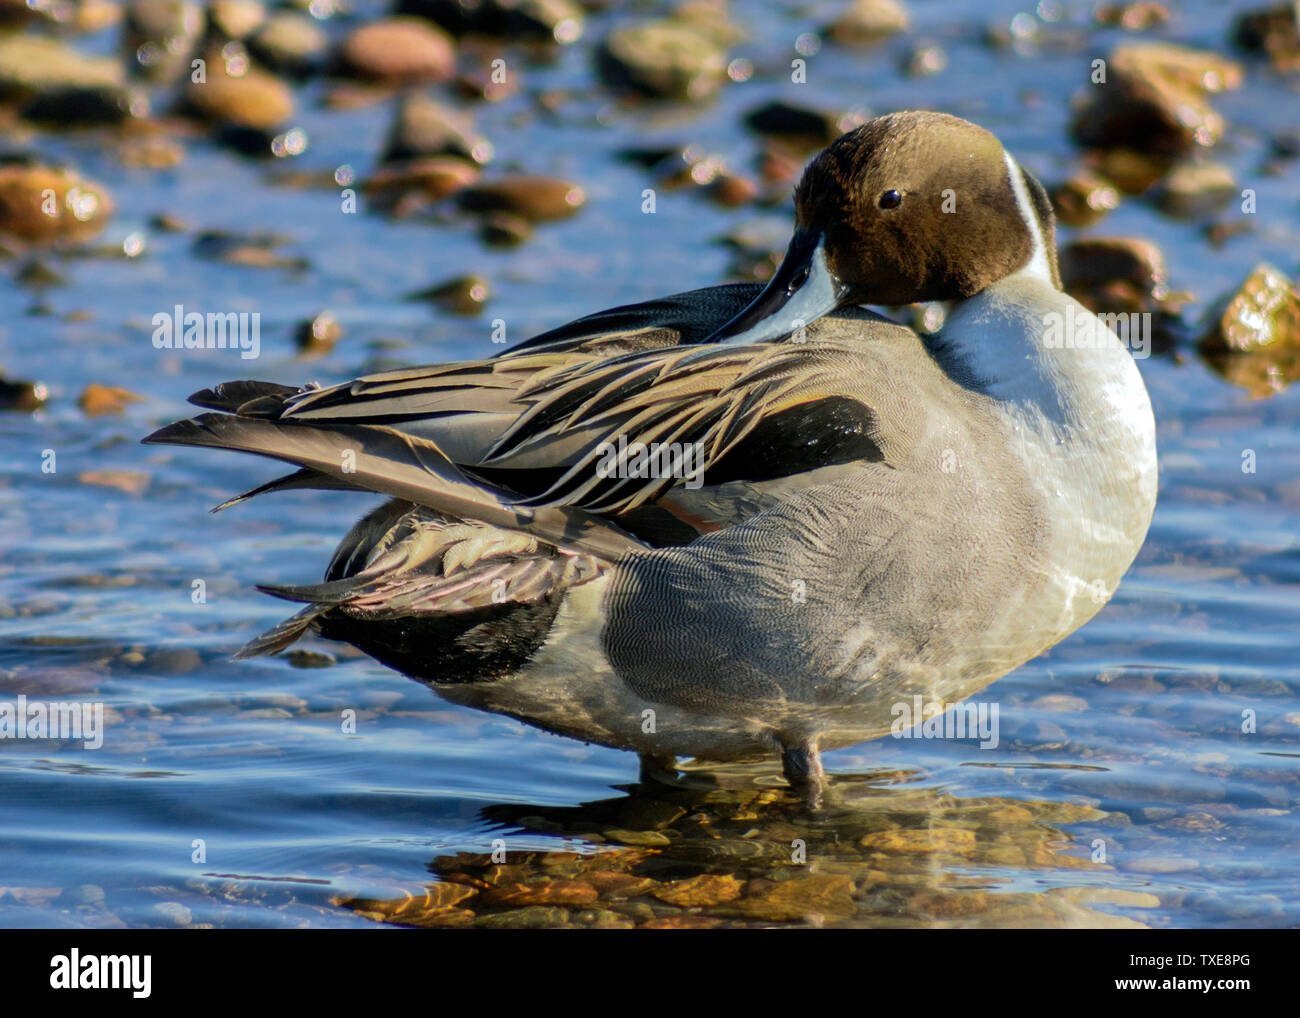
(802, 291)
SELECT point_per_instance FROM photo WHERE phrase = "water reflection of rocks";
(734, 848)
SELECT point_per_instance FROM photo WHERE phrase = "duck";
(745, 520)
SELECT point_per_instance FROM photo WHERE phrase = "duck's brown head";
(909, 207)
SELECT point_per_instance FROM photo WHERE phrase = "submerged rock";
(424, 127)
(1084, 199)
(42, 204)
(398, 51)
(253, 99)
(1193, 190)
(664, 60)
(1154, 99)
(101, 400)
(868, 21)
(291, 43)
(534, 198)
(162, 36)
(538, 20)
(1254, 341)
(1273, 32)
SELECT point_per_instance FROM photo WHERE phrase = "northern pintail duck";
(742, 520)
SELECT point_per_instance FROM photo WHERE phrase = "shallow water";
(1123, 791)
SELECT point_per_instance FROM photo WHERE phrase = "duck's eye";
(891, 199)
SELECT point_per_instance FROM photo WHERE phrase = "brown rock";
(1155, 100)
(534, 198)
(161, 36)
(1274, 32)
(921, 841)
(433, 178)
(568, 893)
(664, 60)
(868, 21)
(1114, 271)
(803, 898)
(1084, 199)
(133, 482)
(423, 127)
(1133, 17)
(705, 889)
(254, 98)
(540, 20)
(1264, 313)
(317, 336)
(1193, 190)
(42, 205)
(399, 51)
(100, 400)
(22, 396)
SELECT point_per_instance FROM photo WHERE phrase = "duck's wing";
(558, 441)
(666, 321)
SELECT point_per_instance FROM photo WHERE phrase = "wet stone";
(464, 295)
(1155, 99)
(236, 19)
(1114, 273)
(534, 198)
(253, 99)
(705, 889)
(1193, 190)
(1084, 199)
(503, 229)
(572, 893)
(869, 21)
(398, 51)
(558, 21)
(290, 43)
(162, 36)
(310, 659)
(926, 841)
(43, 204)
(804, 898)
(647, 839)
(101, 400)
(532, 917)
(424, 127)
(664, 60)
(1273, 32)
(317, 336)
(22, 396)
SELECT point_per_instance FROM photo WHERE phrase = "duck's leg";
(802, 763)
(661, 769)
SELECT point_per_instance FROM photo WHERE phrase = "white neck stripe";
(1038, 264)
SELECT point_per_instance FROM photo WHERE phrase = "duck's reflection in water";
(734, 847)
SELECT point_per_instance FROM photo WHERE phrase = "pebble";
(101, 400)
(558, 21)
(1155, 100)
(1084, 199)
(32, 65)
(236, 19)
(706, 889)
(1194, 190)
(1273, 32)
(424, 127)
(464, 295)
(924, 841)
(1114, 273)
(290, 43)
(162, 36)
(430, 179)
(255, 99)
(869, 21)
(22, 396)
(536, 199)
(398, 51)
(1255, 339)
(77, 211)
(664, 60)
(317, 336)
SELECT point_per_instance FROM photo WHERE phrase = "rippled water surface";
(1124, 790)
